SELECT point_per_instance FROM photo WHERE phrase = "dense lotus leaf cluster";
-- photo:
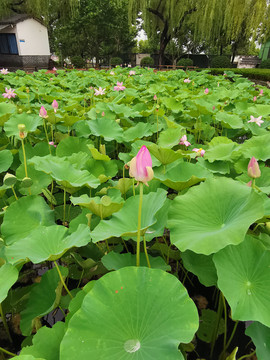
(70, 202)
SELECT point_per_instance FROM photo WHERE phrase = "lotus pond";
(135, 216)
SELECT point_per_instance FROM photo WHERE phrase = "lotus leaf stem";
(5, 323)
(216, 326)
(47, 137)
(7, 352)
(12, 188)
(230, 339)
(62, 280)
(145, 251)
(225, 320)
(139, 225)
(247, 356)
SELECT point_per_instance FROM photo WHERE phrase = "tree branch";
(187, 12)
(157, 13)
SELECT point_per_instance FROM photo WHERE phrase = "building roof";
(15, 19)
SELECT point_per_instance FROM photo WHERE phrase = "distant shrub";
(147, 61)
(116, 61)
(78, 61)
(265, 64)
(252, 74)
(185, 62)
(220, 62)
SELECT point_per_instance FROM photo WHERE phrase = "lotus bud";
(21, 127)
(43, 112)
(140, 167)
(253, 168)
(155, 97)
(206, 91)
(102, 149)
(55, 105)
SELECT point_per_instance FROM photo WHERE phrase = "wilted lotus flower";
(206, 91)
(55, 105)
(258, 120)
(183, 141)
(4, 71)
(43, 112)
(253, 168)
(187, 81)
(200, 152)
(140, 167)
(9, 93)
(119, 86)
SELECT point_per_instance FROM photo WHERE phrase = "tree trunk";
(164, 41)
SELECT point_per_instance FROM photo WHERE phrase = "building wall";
(32, 38)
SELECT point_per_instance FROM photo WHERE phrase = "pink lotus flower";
(54, 68)
(132, 72)
(140, 167)
(55, 105)
(155, 97)
(258, 120)
(206, 91)
(187, 81)
(253, 168)
(52, 144)
(100, 91)
(261, 92)
(9, 93)
(214, 108)
(119, 86)
(4, 71)
(103, 113)
(183, 141)
(43, 112)
(255, 98)
(200, 152)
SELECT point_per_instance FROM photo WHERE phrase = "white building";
(24, 43)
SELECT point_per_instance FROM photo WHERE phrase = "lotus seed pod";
(21, 127)
(27, 182)
(9, 179)
(106, 200)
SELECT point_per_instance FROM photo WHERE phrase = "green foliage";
(265, 64)
(185, 62)
(116, 61)
(252, 74)
(78, 62)
(147, 61)
(220, 62)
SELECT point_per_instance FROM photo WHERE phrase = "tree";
(221, 22)
(98, 29)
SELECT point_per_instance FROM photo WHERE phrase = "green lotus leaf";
(31, 123)
(108, 129)
(231, 121)
(124, 184)
(202, 266)
(40, 180)
(260, 336)
(71, 145)
(125, 221)
(6, 109)
(27, 357)
(6, 160)
(44, 297)
(115, 261)
(24, 216)
(124, 324)
(207, 325)
(103, 170)
(170, 137)
(172, 104)
(181, 175)
(213, 215)
(244, 278)
(47, 243)
(64, 172)
(97, 155)
(102, 207)
(165, 156)
(257, 146)
(137, 132)
(221, 167)
(220, 151)
(8, 276)
(46, 342)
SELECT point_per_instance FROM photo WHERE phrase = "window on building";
(8, 44)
